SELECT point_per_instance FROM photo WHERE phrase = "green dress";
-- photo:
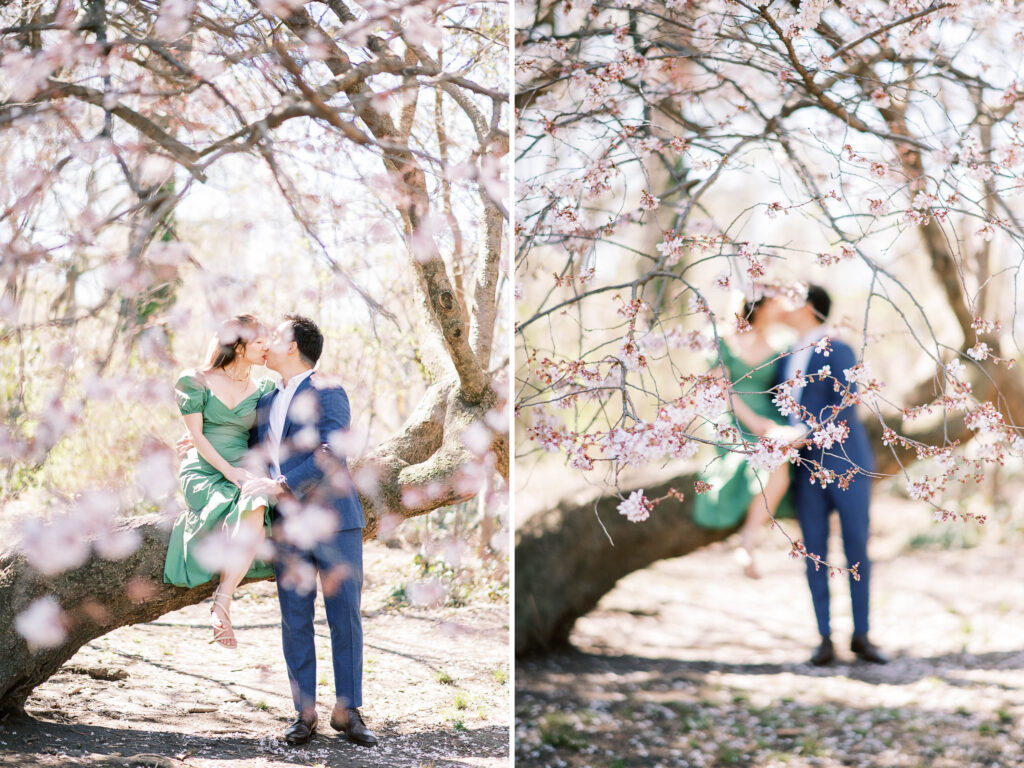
(213, 502)
(734, 483)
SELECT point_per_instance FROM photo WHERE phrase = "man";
(818, 403)
(318, 527)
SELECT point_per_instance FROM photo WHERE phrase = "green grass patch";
(557, 731)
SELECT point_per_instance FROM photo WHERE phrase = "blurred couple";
(808, 382)
(259, 454)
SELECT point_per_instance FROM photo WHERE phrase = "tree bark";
(100, 596)
(565, 562)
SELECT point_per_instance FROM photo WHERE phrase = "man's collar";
(295, 380)
(810, 336)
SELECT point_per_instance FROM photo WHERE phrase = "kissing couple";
(260, 473)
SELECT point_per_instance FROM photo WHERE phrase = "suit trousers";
(814, 507)
(339, 563)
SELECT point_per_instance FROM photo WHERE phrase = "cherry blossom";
(831, 434)
(812, 163)
(769, 454)
(636, 508)
(673, 248)
(43, 624)
(426, 593)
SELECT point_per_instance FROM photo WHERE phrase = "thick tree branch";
(485, 286)
(442, 302)
(183, 154)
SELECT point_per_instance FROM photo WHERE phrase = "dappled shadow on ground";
(32, 741)
(580, 709)
(901, 670)
(435, 690)
(687, 663)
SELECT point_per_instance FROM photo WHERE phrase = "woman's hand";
(184, 445)
(239, 476)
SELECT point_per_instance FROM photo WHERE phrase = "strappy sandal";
(222, 633)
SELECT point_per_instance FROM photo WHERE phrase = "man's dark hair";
(307, 338)
(820, 301)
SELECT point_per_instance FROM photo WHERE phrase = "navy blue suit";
(814, 504)
(316, 474)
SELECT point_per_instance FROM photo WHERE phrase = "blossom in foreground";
(427, 593)
(42, 624)
(637, 507)
(769, 454)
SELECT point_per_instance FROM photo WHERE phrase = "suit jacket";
(820, 397)
(314, 470)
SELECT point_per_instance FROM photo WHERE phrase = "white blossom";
(428, 593)
(636, 508)
(42, 624)
(769, 454)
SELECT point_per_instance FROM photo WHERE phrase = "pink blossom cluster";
(672, 248)
(636, 508)
(888, 178)
(830, 434)
(68, 537)
(770, 453)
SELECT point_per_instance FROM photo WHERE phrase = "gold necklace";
(244, 378)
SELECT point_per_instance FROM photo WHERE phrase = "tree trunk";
(565, 562)
(98, 597)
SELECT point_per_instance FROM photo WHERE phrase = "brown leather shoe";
(350, 722)
(301, 731)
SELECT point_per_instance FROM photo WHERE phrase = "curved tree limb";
(441, 299)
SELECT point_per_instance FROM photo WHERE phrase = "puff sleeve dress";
(213, 503)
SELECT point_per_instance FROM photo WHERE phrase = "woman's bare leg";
(252, 533)
(761, 508)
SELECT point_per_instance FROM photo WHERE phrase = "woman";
(737, 489)
(218, 403)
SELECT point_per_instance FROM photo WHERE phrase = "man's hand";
(184, 445)
(262, 486)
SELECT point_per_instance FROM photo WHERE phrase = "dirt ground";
(690, 664)
(435, 689)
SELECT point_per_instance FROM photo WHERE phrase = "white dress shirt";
(278, 416)
(798, 360)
